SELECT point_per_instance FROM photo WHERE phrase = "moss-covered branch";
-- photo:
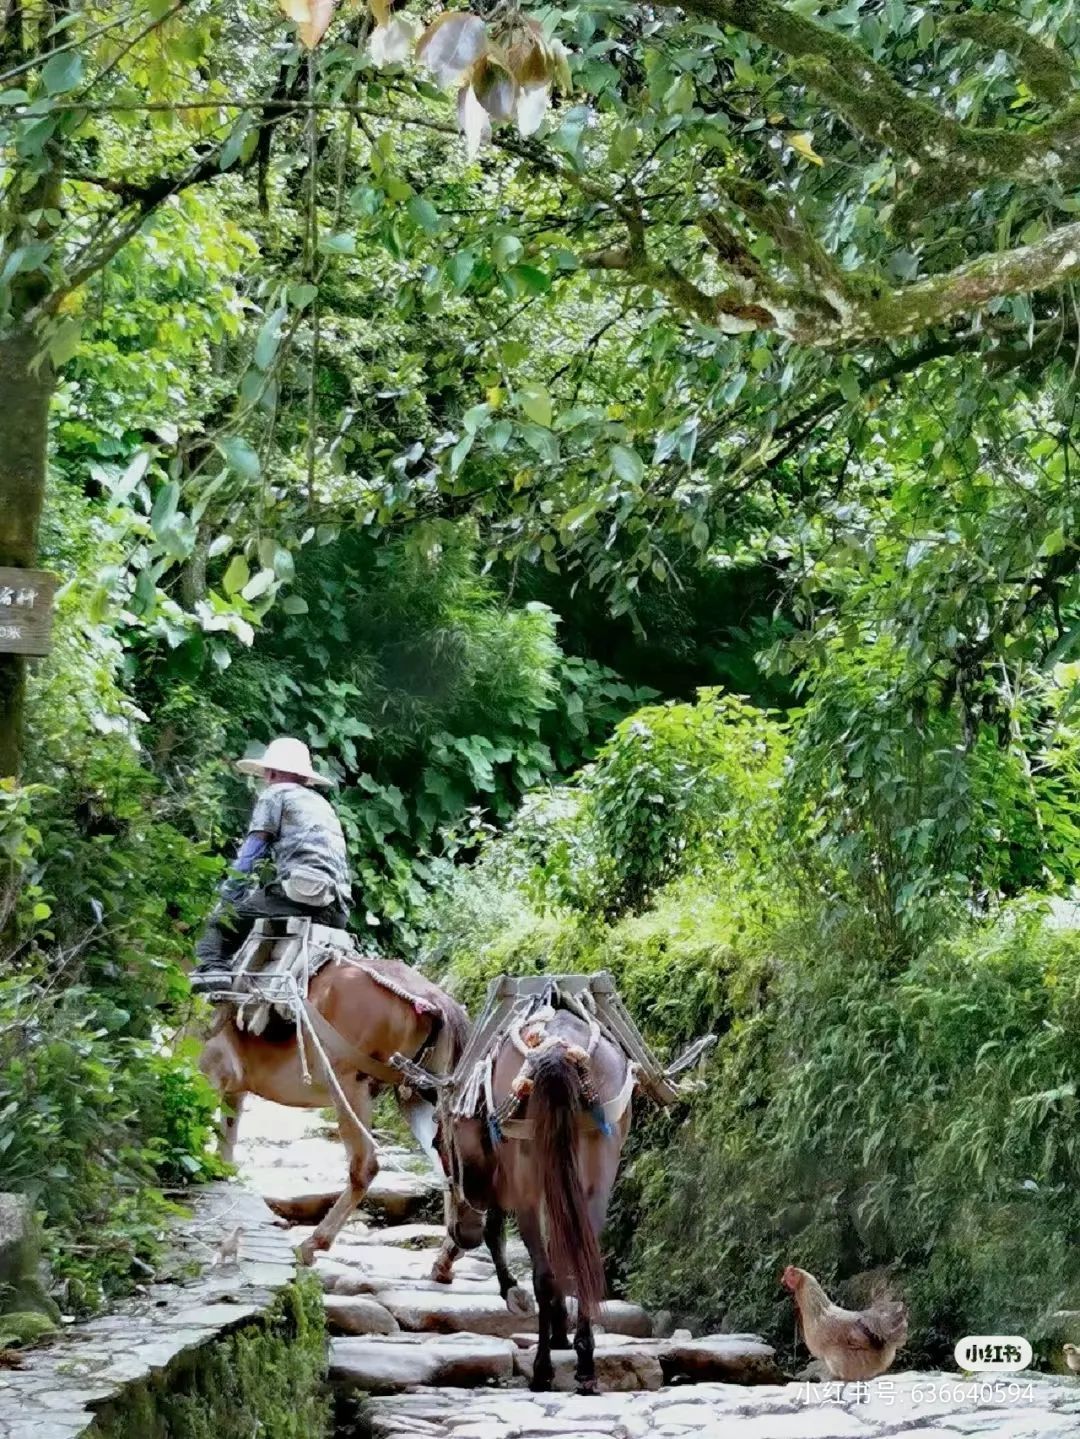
(1045, 71)
(864, 311)
(878, 107)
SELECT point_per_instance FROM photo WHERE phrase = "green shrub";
(268, 1378)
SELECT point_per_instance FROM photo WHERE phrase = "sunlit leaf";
(314, 28)
(393, 42)
(236, 575)
(536, 403)
(473, 120)
(532, 106)
(801, 144)
(451, 46)
(495, 88)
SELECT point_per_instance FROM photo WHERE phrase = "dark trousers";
(231, 921)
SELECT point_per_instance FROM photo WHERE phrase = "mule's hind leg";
(552, 1305)
(584, 1347)
(232, 1106)
(363, 1165)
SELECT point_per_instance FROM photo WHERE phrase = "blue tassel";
(495, 1133)
(597, 1112)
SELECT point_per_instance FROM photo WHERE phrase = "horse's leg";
(232, 1106)
(547, 1295)
(585, 1371)
(599, 1197)
(363, 1165)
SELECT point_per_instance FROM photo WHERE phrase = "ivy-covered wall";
(266, 1378)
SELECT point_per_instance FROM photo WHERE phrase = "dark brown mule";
(357, 1020)
(554, 1167)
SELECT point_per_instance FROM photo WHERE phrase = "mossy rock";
(265, 1378)
(21, 1288)
(24, 1327)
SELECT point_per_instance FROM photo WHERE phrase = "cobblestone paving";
(462, 1332)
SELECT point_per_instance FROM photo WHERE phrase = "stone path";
(57, 1389)
(453, 1363)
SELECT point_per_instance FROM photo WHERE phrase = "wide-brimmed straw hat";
(288, 756)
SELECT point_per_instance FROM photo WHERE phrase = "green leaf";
(64, 341)
(300, 296)
(342, 244)
(269, 337)
(461, 267)
(294, 605)
(62, 72)
(164, 510)
(458, 453)
(536, 403)
(532, 280)
(424, 214)
(506, 250)
(236, 575)
(627, 464)
(241, 457)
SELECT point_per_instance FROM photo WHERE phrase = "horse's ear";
(416, 1074)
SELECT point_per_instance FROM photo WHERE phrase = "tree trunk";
(25, 392)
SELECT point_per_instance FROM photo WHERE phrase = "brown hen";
(854, 1345)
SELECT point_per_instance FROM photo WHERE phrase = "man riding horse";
(297, 829)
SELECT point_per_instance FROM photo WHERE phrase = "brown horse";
(360, 1024)
(554, 1166)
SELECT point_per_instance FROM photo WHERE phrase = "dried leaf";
(380, 11)
(393, 43)
(451, 46)
(527, 59)
(298, 10)
(801, 143)
(532, 106)
(495, 88)
(311, 30)
(473, 120)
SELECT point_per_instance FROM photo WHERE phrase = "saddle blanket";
(274, 970)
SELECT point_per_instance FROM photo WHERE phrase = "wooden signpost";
(26, 598)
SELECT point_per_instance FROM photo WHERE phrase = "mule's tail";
(557, 1098)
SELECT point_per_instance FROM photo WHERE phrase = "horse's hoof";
(520, 1301)
(541, 1384)
(588, 1388)
(307, 1251)
(442, 1273)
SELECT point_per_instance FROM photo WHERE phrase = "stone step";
(358, 1314)
(436, 1309)
(710, 1359)
(630, 1365)
(366, 1268)
(390, 1363)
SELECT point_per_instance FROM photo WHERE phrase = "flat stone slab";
(358, 1314)
(720, 1358)
(391, 1363)
(442, 1310)
(730, 1411)
(619, 1367)
(365, 1269)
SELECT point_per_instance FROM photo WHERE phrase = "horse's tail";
(557, 1098)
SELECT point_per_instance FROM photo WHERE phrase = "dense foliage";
(733, 348)
(887, 1099)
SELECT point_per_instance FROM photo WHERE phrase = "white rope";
(305, 1018)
